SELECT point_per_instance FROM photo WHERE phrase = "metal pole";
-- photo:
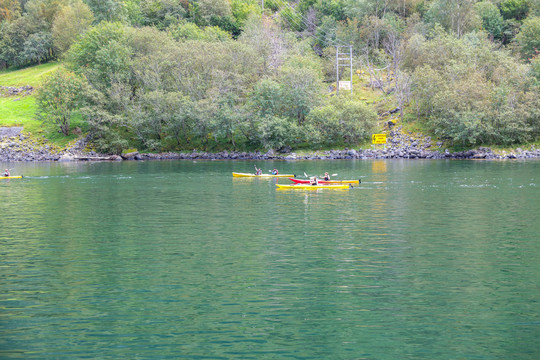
(350, 55)
(337, 69)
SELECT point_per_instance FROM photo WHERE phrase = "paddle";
(306, 175)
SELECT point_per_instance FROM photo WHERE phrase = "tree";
(190, 31)
(243, 9)
(342, 119)
(179, 121)
(528, 39)
(228, 118)
(58, 98)
(514, 9)
(203, 114)
(162, 13)
(492, 20)
(9, 10)
(106, 10)
(266, 99)
(216, 13)
(102, 55)
(270, 43)
(469, 92)
(454, 15)
(71, 22)
(208, 9)
(43, 12)
(276, 132)
(301, 85)
(37, 48)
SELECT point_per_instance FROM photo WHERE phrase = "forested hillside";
(162, 75)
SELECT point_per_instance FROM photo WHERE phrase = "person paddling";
(6, 173)
(313, 180)
(326, 176)
(257, 171)
(275, 172)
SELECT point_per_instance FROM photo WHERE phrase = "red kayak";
(300, 181)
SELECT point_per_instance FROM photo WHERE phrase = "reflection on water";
(423, 260)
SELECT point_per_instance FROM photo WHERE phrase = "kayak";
(300, 181)
(313, 187)
(11, 177)
(235, 174)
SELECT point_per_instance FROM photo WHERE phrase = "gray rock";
(66, 157)
(130, 156)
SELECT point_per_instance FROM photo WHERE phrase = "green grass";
(20, 110)
(32, 76)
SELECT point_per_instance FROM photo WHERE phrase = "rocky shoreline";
(14, 146)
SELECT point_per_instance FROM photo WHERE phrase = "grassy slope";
(19, 111)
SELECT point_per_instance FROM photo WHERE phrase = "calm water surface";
(178, 260)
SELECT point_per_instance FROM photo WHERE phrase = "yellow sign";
(378, 138)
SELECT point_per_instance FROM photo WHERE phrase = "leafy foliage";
(70, 22)
(190, 31)
(102, 55)
(277, 132)
(59, 98)
(528, 38)
(9, 10)
(492, 20)
(340, 120)
(479, 96)
(106, 10)
(514, 9)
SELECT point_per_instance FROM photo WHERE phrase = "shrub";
(342, 120)
(58, 98)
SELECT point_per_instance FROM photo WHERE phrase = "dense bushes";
(342, 119)
(145, 89)
(476, 95)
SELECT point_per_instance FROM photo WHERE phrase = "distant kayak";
(11, 177)
(300, 181)
(314, 187)
(235, 174)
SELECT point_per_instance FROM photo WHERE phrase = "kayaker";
(257, 171)
(6, 173)
(275, 172)
(326, 176)
(313, 180)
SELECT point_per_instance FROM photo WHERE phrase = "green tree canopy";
(70, 22)
(58, 98)
(102, 55)
(528, 39)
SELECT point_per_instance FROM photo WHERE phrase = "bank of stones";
(16, 91)
(14, 146)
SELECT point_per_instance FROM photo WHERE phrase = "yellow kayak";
(11, 177)
(235, 174)
(313, 187)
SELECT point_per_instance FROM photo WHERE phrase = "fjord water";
(178, 260)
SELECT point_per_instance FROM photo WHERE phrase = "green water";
(178, 260)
